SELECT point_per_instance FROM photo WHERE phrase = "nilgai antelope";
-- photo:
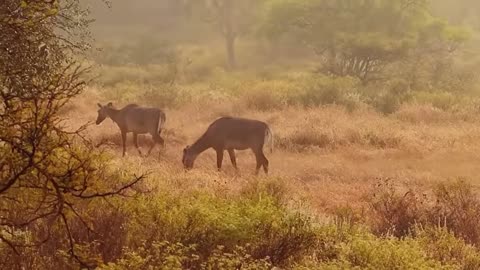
(135, 119)
(229, 133)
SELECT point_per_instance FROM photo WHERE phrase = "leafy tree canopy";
(358, 38)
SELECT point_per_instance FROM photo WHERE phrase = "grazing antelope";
(135, 119)
(229, 133)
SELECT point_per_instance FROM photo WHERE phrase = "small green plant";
(158, 255)
(238, 259)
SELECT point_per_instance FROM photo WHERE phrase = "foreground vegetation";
(175, 225)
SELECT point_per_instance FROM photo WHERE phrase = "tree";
(230, 18)
(46, 170)
(353, 38)
(459, 11)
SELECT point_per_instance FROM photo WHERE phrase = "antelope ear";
(110, 104)
(99, 105)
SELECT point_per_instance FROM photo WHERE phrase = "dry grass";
(325, 156)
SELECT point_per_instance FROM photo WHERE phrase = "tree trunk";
(229, 33)
(230, 47)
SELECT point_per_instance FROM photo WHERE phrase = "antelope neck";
(113, 114)
(200, 145)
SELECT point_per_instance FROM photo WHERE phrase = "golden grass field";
(324, 157)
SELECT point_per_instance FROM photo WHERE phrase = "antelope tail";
(269, 138)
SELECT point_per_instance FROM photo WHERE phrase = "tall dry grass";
(326, 155)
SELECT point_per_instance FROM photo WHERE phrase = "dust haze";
(374, 108)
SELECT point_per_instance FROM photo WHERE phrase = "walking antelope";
(135, 119)
(229, 133)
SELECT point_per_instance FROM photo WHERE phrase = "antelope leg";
(219, 159)
(124, 142)
(135, 142)
(233, 159)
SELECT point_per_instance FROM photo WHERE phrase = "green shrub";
(326, 90)
(122, 92)
(388, 103)
(330, 239)
(353, 101)
(393, 95)
(158, 255)
(202, 65)
(163, 96)
(356, 248)
(442, 100)
(442, 245)
(157, 95)
(168, 256)
(274, 188)
(368, 252)
(269, 94)
(111, 76)
(208, 222)
(255, 230)
(238, 259)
